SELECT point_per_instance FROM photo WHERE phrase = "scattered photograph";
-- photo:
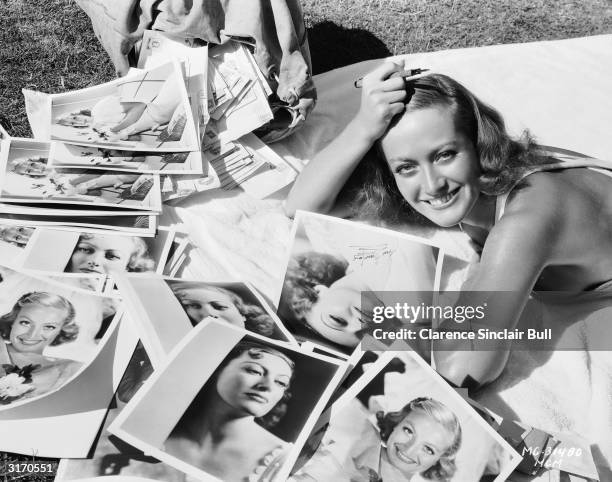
(144, 111)
(13, 242)
(339, 270)
(401, 421)
(139, 224)
(242, 415)
(49, 331)
(97, 254)
(26, 176)
(61, 349)
(167, 309)
(68, 155)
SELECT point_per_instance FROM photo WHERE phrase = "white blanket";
(561, 91)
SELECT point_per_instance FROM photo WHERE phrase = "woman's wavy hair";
(255, 350)
(503, 160)
(69, 330)
(255, 317)
(305, 272)
(444, 469)
(140, 260)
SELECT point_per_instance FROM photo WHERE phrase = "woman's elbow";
(472, 369)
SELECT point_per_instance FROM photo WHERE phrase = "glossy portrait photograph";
(246, 412)
(400, 421)
(338, 270)
(98, 254)
(27, 176)
(146, 112)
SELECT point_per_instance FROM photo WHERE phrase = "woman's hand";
(382, 99)
(319, 183)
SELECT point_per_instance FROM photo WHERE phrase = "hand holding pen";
(383, 92)
(405, 74)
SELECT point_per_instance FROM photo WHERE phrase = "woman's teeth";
(442, 200)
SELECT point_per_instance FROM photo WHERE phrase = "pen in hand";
(401, 73)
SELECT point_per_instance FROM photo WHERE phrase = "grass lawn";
(48, 45)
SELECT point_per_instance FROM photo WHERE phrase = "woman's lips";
(256, 397)
(28, 342)
(90, 271)
(404, 457)
(443, 201)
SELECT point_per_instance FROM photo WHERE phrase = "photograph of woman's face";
(253, 385)
(434, 164)
(17, 235)
(35, 327)
(101, 254)
(31, 167)
(417, 443)
(200, 303)
(338, 315)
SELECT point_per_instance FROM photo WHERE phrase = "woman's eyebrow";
(403, 160)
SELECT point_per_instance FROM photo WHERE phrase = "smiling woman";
(224, 430)
(432, 148)
(37, 320)
(418, 442)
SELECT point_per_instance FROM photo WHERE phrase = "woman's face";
(254, 385)
(36, 327)
(435, 165)
(32, 168)
(19, 235)
(75, 120)
(417, 443)
(338, 314)
(101, 254)
(199, 303)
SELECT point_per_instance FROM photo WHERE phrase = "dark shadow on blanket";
(333, 46)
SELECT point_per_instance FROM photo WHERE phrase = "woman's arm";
(318, 185)
(517, 250)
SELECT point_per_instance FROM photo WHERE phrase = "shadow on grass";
(333, 46)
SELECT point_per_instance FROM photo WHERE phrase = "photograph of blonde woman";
(429, 149)
(16, 235)
(27, 174)
(38, 319)
(144, 111)
(405, 424)
(105, 254)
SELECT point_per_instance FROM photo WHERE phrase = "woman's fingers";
(392, 97)
(380, 74)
